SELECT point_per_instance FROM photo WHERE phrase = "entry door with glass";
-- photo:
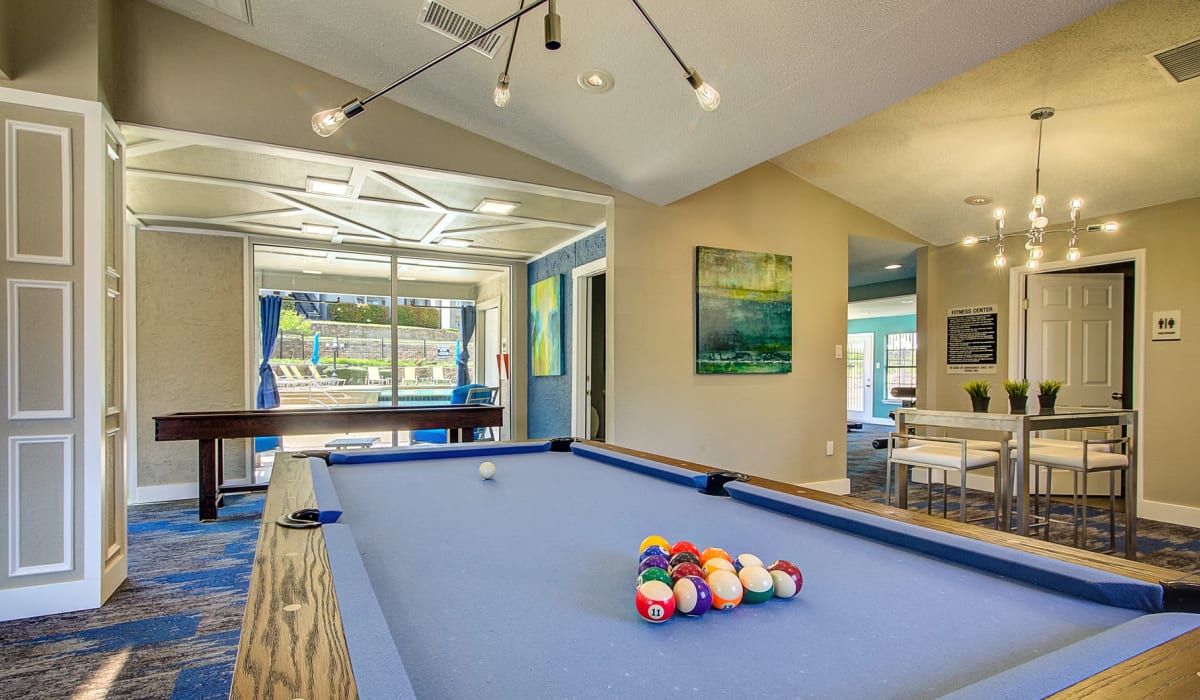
(860, 360)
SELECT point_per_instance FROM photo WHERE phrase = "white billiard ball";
(487, 470)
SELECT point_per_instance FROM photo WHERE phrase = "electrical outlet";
(829, 448)
(837, 352)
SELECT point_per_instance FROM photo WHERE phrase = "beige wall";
(190, 345)
(959, 276)
(5, 30)
(53, 46)
(772, 425)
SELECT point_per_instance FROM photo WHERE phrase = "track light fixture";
(1038, 221)
(328, 121)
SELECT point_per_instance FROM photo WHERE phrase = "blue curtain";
(468, 330)
(268, 392)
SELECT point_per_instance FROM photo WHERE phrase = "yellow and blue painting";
(743, 312)
(545, 326)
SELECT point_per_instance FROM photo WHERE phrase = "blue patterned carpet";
(171, 629)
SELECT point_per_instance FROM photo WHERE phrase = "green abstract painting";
(545, 326)
(743, 312)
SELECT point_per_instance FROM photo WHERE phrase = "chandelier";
(1038, 222)
(326, 122)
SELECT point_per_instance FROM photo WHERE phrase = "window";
(901, 361)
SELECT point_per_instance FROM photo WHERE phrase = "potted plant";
(1048, 394)
(977, 389)
(1018, 394)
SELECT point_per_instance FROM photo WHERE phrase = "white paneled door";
(860, 363)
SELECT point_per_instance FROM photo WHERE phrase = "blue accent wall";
(550, 397)
(881, 327)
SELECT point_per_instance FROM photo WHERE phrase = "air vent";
(1180, 62)
(460, 27)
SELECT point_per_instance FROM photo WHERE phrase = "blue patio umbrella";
(316, 356)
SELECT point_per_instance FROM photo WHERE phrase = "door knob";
(1117, 396)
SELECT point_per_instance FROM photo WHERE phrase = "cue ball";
(487, 470)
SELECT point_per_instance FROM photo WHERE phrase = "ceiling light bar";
(319, 229)
(318, 185)
(455, 243)
(325, 123)
(496, 206)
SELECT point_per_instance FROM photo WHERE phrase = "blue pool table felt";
(522, 586)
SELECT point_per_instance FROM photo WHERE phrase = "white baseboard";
(165, 492)
(839, 487)
(50, 599)
(1169, 513)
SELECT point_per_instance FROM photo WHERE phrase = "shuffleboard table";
(427, 581)
(210, 427)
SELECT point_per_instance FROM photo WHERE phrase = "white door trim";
(868, 378)
(579, 343)
(1016, 331)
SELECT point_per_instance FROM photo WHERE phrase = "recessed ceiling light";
(312, 272)
(595, 80)
(893, 266)
(455, 243)
(319, 229)
(496, 206)
(906, 301)
(318, 185)
(978, 200)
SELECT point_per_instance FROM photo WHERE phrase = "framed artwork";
(743, 312)
(546, 327)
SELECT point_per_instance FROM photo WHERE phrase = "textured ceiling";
(788, 72)
(1124, 136)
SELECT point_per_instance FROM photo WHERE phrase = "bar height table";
(1015, 430)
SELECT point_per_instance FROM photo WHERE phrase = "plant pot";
(1046, 403)
(979, 404)
(1016, 404)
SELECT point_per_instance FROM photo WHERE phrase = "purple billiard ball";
(692, 596)
(653, 561)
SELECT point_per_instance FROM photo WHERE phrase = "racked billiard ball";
(743, 560)
(714, 553)
(717, 565)
(757, 584)
(685, 546)
(653, 561)
(655, 601)
(654, 539)
(687, 568)
(680, 557)
(692, 596)
(787, 578)
(726, 589)
(654, 550)
(654, 574)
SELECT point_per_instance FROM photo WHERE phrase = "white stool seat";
(1036, 443)
(984, 445)
(947, 457)
(1068, 458)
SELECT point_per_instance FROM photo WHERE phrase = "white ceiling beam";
(145, 148)
(436, 230)
(490, 229)
(384, 235)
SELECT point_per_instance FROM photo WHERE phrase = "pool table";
(426, 581)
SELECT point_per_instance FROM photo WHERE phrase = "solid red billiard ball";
(692, 596)
(685, 546)
(787, 578)
(687, 568)
(655, 601)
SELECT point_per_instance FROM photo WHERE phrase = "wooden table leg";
(208, 479)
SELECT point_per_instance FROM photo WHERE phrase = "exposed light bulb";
(1073, 254)
(706, 94)
(1028, 244)
(330, 120)
(1039, 201)
(501, 94)
(1077, 203)
(1110, 227)
(999, 260)
(1031, 264)
(970, 240)
(1032, 214)
(998, 214)
(1041, 222)
(1036, 253)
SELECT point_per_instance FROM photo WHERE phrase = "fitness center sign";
(971, 340)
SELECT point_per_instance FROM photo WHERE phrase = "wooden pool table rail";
(304, 654)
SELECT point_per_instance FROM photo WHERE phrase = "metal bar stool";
(1083, 459)
(943, 454)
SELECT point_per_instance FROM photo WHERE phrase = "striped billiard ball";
(655, 601)
(757, 584)
(692, 596)
(726, 589)
(787, 578)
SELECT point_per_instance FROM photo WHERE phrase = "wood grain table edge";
(300, 653)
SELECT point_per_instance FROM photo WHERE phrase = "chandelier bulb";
(998, 213)
(706, 94)
(970, 240)
(999, 260)
(326, 122)
(1073, 254)
(1036, 253)
(1031, 264)
(1077, 203)
(501, 95)
(1110, 227)
(1041, 222)
(1039, 201)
